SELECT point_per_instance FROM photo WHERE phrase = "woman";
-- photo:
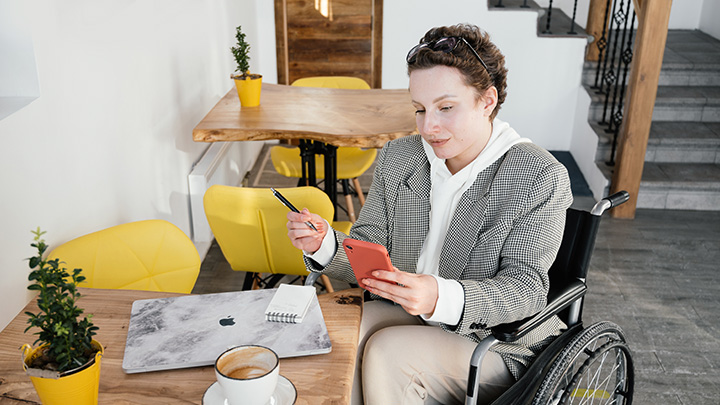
(472, 216)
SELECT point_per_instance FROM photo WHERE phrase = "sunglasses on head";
(445, 45)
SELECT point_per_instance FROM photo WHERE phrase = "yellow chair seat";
(333, 82)
(152, 255)
(343, 226)
(351, 162)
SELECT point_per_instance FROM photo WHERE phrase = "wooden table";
(325, 378)
(333, 117)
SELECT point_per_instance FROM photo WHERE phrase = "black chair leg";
(273, 280)
(248, 283)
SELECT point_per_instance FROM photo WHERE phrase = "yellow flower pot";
(79, 386)
(248, 89)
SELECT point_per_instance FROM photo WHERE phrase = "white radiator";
(222, 163)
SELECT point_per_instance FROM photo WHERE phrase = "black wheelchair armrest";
(557, 301)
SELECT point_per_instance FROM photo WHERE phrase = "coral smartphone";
(366, 257)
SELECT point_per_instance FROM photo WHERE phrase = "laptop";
(193, 330)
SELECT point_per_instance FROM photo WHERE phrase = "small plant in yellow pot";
(248, 84)
(65, 367)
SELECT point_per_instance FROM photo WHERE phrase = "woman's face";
(450, 116)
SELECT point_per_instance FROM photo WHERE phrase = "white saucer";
(285, 394)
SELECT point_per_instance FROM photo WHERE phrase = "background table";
(325, 378)
(335, 117)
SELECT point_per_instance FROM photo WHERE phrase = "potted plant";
(65, 368)
(248, 84)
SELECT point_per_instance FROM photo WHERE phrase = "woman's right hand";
(301, 235)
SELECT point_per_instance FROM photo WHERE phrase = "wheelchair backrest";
(573, 258)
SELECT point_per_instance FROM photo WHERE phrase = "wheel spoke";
(597, 383)
(594, 368)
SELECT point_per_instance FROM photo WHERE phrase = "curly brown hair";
(462, 58)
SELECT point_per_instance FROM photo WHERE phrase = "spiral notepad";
(290, 303)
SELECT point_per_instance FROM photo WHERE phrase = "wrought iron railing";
(548, 28)
(615, 48)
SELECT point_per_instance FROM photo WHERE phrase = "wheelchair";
(583, 365)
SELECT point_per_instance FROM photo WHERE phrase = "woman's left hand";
(416, 293)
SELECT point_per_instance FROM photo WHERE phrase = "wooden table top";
(341, 117)
(325, 378)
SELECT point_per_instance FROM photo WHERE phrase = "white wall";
(709, 18)
(544, 73)
(109, 139)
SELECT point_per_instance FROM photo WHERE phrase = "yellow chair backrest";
(249, 224)
(333, 82)
(152, 255)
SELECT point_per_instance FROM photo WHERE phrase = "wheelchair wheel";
(594, 368)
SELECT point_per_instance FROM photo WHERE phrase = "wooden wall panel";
(338, 43)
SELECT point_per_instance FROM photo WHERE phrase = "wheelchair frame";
(587, 365)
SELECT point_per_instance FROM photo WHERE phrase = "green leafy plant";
(241, 52)
(68, 337)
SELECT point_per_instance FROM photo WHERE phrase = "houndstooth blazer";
(500, 243)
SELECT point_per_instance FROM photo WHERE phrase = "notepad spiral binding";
(281, 317)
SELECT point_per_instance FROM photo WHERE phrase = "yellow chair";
(249, 224)
(151, 255)
(351, 162)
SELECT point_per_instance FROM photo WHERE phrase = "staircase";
(682, 163)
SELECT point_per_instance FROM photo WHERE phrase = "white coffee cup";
(248, 374)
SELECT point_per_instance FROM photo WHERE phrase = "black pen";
(287, 203)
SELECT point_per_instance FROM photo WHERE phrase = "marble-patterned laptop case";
(193, 330)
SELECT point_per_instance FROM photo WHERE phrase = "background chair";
(152, 255)
(351, 162)
(249, 224)
(584, 364)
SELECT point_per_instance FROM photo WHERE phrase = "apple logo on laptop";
(229, 321)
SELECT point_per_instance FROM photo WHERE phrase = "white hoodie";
(445, 193)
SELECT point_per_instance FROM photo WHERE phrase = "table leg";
(308, 150)
(307, 155)
(331, 175)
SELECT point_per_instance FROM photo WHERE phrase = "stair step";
(676, 142)
(672, 74)
(672, 142)
(673, 103)
(561, 24)
(680, 186)
(691, 58)
(677, 186)
(514, 5)
(685, 103)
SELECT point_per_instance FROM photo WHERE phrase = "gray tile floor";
(657, 276)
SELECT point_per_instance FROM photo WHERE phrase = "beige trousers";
(401, 360)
